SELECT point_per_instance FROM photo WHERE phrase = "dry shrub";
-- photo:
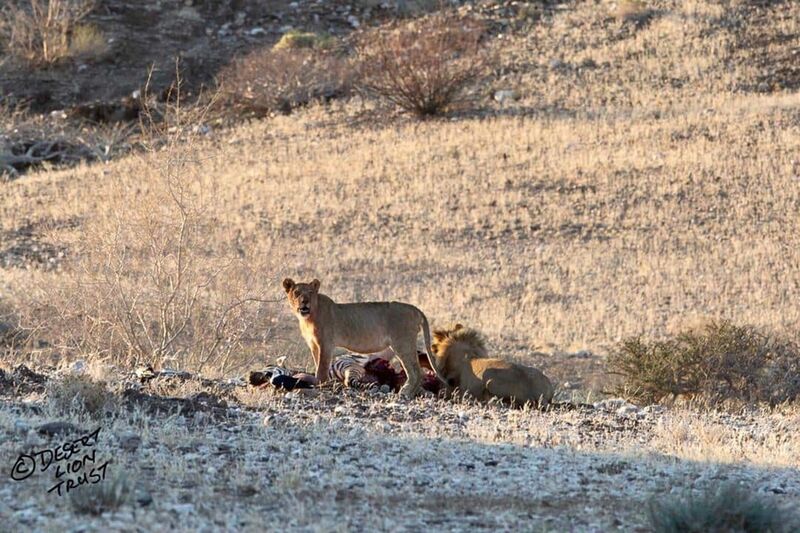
(425, 66)
(726, 508)
(303, 39)
(719, 362)
(87, 42)
(77, 392)
(282, 79)
(106, 495)
(38, 32)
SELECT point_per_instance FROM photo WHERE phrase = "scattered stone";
(505, 95)
(129, 441)
(628, 410)
(143, 497)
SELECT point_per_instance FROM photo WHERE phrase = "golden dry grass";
(616, 203)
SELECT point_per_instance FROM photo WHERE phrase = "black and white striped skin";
(349, 369)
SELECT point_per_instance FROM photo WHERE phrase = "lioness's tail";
(426, 334)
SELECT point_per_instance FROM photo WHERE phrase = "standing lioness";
(367, 327)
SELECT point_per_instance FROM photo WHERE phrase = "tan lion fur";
(366, 327)
(465, 365)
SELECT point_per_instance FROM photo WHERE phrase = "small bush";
(426, 66)
(79, 393)
(38, 32)
(294, 39)
(87, 42)
(727, 509)
(720, 362)
(106, 495)
(281, 80)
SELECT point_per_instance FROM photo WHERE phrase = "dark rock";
(52, 429)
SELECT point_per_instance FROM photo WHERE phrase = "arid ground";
(643, 178)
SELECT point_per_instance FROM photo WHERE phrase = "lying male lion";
(360, 327)
(462, 360)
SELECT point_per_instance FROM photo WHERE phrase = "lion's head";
(458, 341)
(303, 297)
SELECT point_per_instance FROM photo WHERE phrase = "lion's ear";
(288, 284)
(315, 285)
(458, 327)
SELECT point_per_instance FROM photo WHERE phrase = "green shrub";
(728, 509)
(720, 361)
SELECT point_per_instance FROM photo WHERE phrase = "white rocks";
(628, 410)
(353, 21)
(181, 508)
(257, 31)
(22, 427)
(129, 441)
(505, 95)
(611, 404)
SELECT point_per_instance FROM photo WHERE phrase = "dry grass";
(618, 205)
(87, 42)
(106, 496)
(294, 39)
(724, 508)
(79, 393)
(43, 32)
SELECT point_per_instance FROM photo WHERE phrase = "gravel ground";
(242, 459)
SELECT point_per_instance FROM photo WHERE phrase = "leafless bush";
(38, 31)
(424, 66)
(282, 79)
(720, 361)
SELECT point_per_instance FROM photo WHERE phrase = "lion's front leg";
(322, 359)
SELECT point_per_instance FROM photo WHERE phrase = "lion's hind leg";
(410, 361)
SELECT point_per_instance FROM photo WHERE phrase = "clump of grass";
(720, 361)
(728, 508)
(38, 32)
(294, 39)
(77, 392)
(632, 11)
(106, 495)
(87, 42)
(425, 66)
